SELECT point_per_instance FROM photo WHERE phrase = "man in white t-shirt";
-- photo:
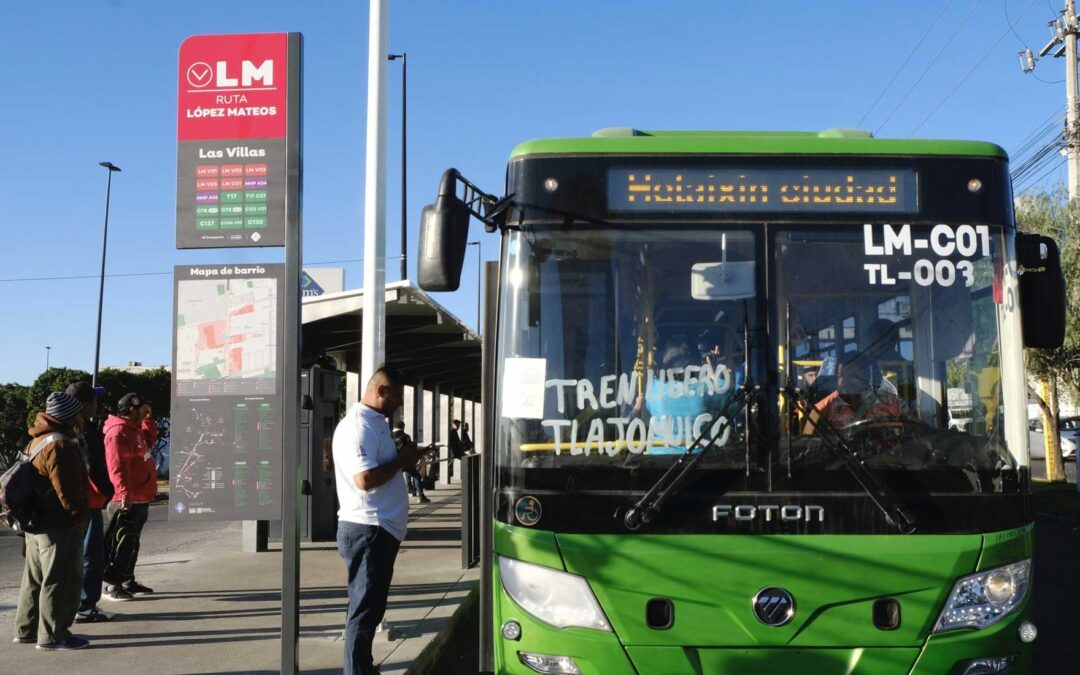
(374, 510)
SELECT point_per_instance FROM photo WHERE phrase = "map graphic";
(225, 460)
(226, 336)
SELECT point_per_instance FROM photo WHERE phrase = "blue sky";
(95, 80)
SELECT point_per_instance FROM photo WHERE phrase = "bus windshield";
(620, 348)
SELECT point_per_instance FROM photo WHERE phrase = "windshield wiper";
(882, 495)
(643, 511)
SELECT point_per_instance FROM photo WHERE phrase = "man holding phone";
(130, 435)
(374, 509)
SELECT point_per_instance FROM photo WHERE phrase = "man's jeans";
(93, 561)
(414, 481)
(52, 578)
(369, 553)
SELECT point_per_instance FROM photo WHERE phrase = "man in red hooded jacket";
(129, 437)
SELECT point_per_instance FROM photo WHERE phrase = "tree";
(153, 385)
(13, 413)
(53, 379)
(20, 405)
(1051, 214)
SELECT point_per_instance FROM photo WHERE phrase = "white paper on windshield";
(523, 388)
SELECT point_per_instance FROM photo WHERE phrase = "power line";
(1035, 183)
(1053, 131)
(1037, 159)
(1027, 141)
(970, 72)
(1038, 173)
(1009, 23)
(1046, 155)
(1053, 135)
(1024, 166)
(931, 64)
(904, 64)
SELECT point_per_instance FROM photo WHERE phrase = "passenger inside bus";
(883, 351)
(674, 395)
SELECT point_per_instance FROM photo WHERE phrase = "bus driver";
(861, 394)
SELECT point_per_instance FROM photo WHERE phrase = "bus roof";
(615, 141)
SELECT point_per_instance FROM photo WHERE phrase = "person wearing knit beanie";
(62, 407)
(52, 573)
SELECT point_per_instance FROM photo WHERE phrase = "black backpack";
(18, 498)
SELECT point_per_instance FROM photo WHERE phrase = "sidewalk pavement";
(217, 609)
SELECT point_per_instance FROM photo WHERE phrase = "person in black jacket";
(456, 448)
(101, 491)
(412, 475)
(466, 440)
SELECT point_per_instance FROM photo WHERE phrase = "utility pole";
(404, 160)
(1063, 34)
(372, 346)
(1070, 99)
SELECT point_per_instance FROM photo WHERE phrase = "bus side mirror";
(444, 228)
(1042, 291)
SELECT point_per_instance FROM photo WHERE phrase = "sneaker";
(24, 640)
(92, 615)
(68, 644)
(116, 594)
(135, 588)
(424, 500)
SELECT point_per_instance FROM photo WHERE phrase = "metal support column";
(290, 469)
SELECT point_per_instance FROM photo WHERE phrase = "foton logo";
(790, 513)
(201, 75)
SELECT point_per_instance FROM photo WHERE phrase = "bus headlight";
(555, 597)
(982, 599)
(546, 663)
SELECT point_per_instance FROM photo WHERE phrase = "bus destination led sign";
(734, 190)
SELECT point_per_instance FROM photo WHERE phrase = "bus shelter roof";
(423, 339)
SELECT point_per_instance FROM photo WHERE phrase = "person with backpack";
(130, 435)
(52, 572)
(100, 491)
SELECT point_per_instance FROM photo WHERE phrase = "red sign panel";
(233, 87)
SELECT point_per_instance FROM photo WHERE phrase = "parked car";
(1070, 437)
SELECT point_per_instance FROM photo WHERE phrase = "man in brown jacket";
(52, 575)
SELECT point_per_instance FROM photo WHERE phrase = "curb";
(429, 658)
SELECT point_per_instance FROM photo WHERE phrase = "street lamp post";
(479, 269)
(404, 110)
(101, 286)
(48, 349)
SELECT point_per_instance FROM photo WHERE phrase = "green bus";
(719, 368)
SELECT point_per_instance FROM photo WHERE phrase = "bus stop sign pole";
(290, 474)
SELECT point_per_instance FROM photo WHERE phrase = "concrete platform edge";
(425, 663)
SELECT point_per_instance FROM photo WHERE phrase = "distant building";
(136, 367)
